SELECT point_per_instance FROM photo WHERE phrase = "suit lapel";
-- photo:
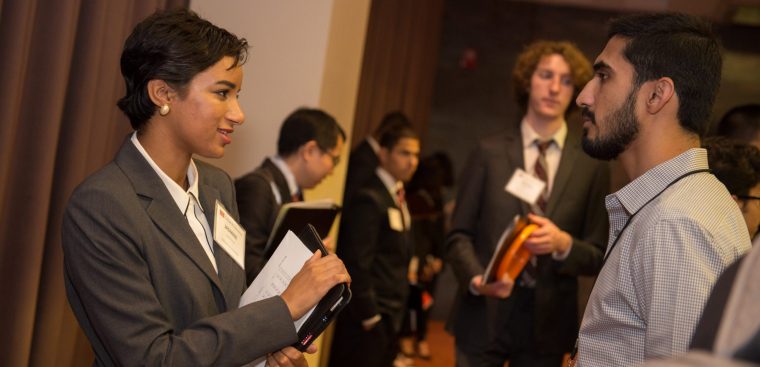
(562, 178)
(226, 265)
(279, 180)
(513, 147)
(162, 209)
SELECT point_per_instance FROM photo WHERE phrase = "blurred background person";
(426, 199)
(364, 158)
(533, 320)
(376, 243)
(737, 166)
(742, 124)
(308, 149)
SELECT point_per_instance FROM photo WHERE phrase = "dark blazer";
(483, 211)
(361, 167)
(376, 256)
(140, 283)
(258, 211)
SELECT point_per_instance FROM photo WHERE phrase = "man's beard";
(624, 129)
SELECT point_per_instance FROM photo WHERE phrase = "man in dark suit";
(375, 242)
(532, 320)
(363, 159)
(308, 149)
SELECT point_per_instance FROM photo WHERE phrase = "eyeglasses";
(335, 158)
(747, 197)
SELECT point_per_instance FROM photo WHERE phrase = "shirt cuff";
(473, 290)
(561, 256)
(371, 321)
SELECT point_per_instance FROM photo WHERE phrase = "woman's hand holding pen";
(318, 275)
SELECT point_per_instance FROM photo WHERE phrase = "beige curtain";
(400, 57)
(59, 76)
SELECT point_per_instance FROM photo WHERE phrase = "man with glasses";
(737, 166)
(308, 149)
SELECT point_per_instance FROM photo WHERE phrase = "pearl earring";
(164, 110)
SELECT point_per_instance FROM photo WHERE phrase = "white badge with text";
(394, 218)
(525, 186)
(229, 234)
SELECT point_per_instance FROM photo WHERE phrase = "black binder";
(294, 216)
(331, 304)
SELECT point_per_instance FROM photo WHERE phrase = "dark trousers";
(415, 318)
(353, 346)
(515, 341)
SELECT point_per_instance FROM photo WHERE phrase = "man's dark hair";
(678, 46)
(736, 165)
(741, 123)
(394, 133)
(304, 125)
(173, 46)
(389, 121)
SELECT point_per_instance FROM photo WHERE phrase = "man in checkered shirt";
(674, 228)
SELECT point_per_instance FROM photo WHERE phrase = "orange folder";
(517, 256)
(510, 256)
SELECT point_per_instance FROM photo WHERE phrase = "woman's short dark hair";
(173, 46)
(528, 60)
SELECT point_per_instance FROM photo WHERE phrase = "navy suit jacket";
(376, 255)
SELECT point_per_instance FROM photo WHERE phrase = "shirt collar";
(289, 176)
(390, 183)
(374, 144)
(529, 135)
(639, 191)
(180, 196)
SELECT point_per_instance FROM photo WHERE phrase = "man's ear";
(160, 92)
(309, 149)
(660, 93)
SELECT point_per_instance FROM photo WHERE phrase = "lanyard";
(628, 221)
(617, 239)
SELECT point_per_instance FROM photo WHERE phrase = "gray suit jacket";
(484, 210)
(140, 283)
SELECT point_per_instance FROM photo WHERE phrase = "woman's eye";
(222, 93)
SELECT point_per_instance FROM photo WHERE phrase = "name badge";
(394, 218)
(525, 186)
(229, 234)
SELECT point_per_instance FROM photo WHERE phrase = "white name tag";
(394, 218)
(229, 234)
(525, 186)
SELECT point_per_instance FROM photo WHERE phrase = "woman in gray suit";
(150, 276)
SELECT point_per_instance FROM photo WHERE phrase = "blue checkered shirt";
(650, 293)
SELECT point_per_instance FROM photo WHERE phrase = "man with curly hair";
(531, 320)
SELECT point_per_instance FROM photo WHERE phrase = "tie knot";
(543, 145)
(400, 196)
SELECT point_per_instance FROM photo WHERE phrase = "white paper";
(394, 219)
(525, 186)
(285, 263)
